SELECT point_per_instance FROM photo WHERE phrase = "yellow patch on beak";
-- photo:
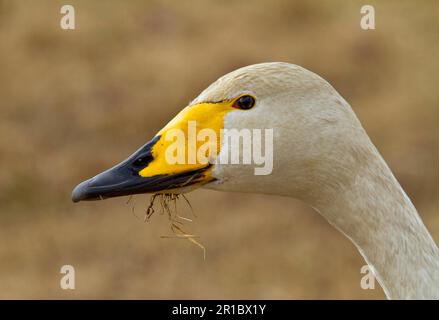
(178, 157)
(189, 140)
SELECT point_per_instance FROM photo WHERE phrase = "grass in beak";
(168, 205)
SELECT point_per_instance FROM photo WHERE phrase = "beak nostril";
(142, 161)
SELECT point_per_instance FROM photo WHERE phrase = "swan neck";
(376, 214)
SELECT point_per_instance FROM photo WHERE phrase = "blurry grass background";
(73, 103)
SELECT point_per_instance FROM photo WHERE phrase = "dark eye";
(244, 102)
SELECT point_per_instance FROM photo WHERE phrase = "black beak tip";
(80, 192)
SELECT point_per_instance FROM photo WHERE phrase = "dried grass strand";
(165, 200)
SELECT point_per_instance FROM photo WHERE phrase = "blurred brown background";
(76, 102)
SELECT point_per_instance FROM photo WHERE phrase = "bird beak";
(148, 170)
(124, 178)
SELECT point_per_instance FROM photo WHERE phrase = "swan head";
(300, 134)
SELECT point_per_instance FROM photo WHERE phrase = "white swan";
(322, 155)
